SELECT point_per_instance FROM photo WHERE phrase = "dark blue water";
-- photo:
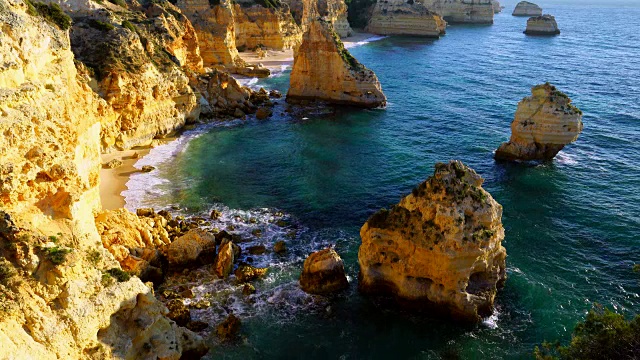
(572, 226)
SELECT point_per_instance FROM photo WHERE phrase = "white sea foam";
(350, 45)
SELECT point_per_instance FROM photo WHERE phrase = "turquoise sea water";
(572, 225)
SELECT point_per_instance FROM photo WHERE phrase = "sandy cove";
(113, 182)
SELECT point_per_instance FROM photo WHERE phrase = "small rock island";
(441, 246)
(324, 70)
(526, 8)
(542, 25)
(544, 123)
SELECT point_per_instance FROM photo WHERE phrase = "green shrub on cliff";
(56, 255)
(119, 3)
(603, 335)
(51, 12)
(127, 24)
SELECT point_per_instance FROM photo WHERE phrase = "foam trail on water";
(364, 42)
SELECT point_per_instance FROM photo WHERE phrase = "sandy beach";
(114, 181)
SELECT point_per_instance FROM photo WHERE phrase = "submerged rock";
(440, 246)
(323, 273)
(399, 17)
(196, 247)
(229, 328)
(324, 70)
(246, 273)
(542, 25)
(544, 123)
(280, 247)
(526, 8)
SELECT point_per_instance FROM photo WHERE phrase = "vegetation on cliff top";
(603, 335)
(51, 12)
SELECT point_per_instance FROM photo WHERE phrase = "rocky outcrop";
(194, 248)
(542, 25)
(225, 97)
(544, 123)
(440, 246)
(259, 26)
(59, 297)
(137, 62)
(526, 8)
(224, 260)
(463, 11)
(398, 17)
(323, 273)
(324, 70)
(215, 29)
(497, 7)
(333, 11)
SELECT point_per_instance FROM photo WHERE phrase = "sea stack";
(544, 123)
(542, 25)
(525, 8)
(324, 70)
(398, 17)
(441, 246)
(323, 273)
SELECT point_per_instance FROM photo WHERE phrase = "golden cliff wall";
(463, 11)
(272, 28)
(324, 70)
(544, 123)
(57, 302)
(140, 70)
(215, 28)
(334, 11)
(397, 17)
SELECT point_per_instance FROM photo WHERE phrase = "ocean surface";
(312, 179)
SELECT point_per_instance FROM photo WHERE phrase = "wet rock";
(246, 273)
(238, 113)
(145, 212)
(256, 232)
(147, 168)
(115, 163)
(280, 247)
(275, 94)
(257, 250)
(215, 214)
(236, 251)
(224, 260)
(178, 312)
(248, 289)
(229, 328)
(165, 214)
(323, 273)
(263, 113)
(200, 304)
(197, 326)
(196, 247)
(222, 236)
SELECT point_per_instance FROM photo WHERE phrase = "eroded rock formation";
(497, 7)
(463, 11)
(324, 70)
(323, 273)
(398, 17)
(259, 26)
(334, 11)
(59, 297)
(526, 8)
(542, 25)
(139, 62)
(544, 123)
(440, 246)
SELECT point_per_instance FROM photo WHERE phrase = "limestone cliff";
(59, 297)
(398, 17)
(334, 11)
(440, 246)
(137, 62)
(463, 11)
(272, 28)
(544, 123)
(542, 25)
(324, 70)
(497, 7)
(526, 8)
(215, 29)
